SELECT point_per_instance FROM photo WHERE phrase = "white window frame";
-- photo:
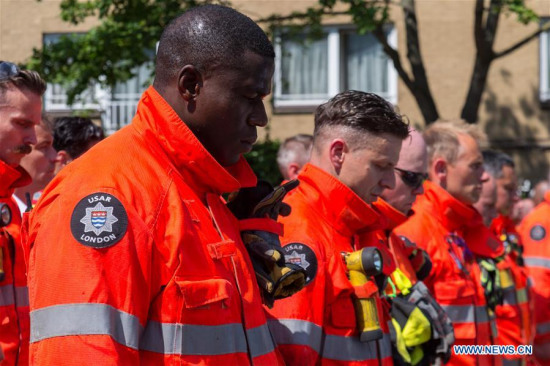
(544, 65)
(94, 104)
(334, 36)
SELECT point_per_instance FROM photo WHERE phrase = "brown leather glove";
(257, 209)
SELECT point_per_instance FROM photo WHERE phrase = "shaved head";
(413, 159)
(207, 37)
(413, 154)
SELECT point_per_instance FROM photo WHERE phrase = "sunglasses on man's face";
(7, 70)
(412, 179)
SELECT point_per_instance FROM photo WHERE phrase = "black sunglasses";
(7, 70)
(412, 179)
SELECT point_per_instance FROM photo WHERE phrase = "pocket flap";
(204, 292)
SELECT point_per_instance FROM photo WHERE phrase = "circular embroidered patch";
(99, 220)
(303, 256)
(537, 232)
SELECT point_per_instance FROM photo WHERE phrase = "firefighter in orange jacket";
(534, 233)
(396, 205)
(20, 111)
(134, 257)
(514, 319)
(404, 291)
(441, 225)
(356, 145)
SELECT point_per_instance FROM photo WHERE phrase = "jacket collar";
(11, 178)
(158, 121)
(452, 213)
(503, 223)
(481, 240)
(393, 216)
(455, 215)
(344, 209)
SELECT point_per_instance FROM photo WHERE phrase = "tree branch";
(491, 24)
(281, 18)
(524, 41)
(323, 11)
(393, 55)
(478, 25)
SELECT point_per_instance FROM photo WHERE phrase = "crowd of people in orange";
(384, 245)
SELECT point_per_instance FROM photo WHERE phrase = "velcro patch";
(99, 220)
(537, 232)
(303, 256)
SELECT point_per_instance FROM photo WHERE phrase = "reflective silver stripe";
(22, 294)
(299, 332)
(348, 349)
(507, 362)
(211, 340)
(481, 314)
(385, 346)
(341, 348)
(543, 328)
(521, 295)
(7, 298)
(85, 319)
(260, 341)
(6, 295)
(465, 313)
(537, 262)
(509, 296)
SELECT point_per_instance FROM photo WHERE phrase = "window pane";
(304, 68)
(366, 64)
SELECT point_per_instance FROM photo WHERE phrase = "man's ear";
(63, 157)
(338, 150)
(189, 82)
(293, 170)
(439, 172)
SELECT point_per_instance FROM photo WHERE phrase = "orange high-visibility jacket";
(401, 251)
(318, 324)
(135, 259)
(514, 319)
(14, 298)
(439, 226)
(534, 231)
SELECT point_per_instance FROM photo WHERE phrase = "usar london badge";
(99, 220)
(303, 256)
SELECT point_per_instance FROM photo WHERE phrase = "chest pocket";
(205, 294)
(209, 302)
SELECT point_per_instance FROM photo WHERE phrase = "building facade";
(515, 108)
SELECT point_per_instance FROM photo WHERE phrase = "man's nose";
(388, 180)
(259, 116)
(30, 139)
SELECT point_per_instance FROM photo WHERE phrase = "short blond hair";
(442, 138)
